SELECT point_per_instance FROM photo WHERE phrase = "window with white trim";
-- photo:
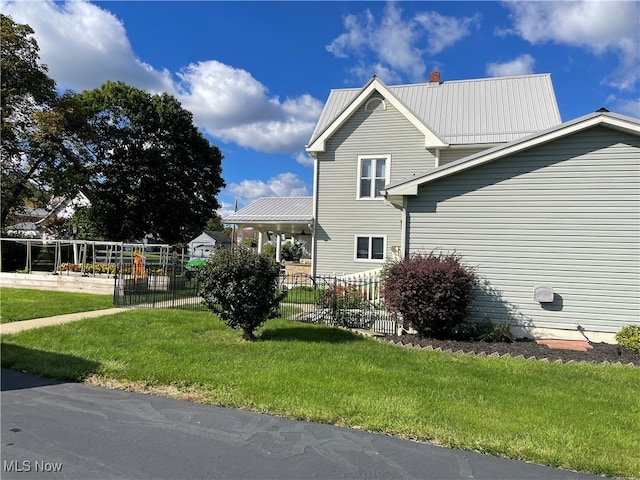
(373, 175)
(370, 248)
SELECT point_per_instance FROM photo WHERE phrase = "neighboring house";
(547, 213)
(33, 221)
(26, 222)
(206, 243)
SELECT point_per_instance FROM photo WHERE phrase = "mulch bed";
(601, 352)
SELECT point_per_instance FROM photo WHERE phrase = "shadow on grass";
(309, 334)
(37, 362)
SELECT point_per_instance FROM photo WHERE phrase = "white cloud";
(225, 209)
(599, 26)
(230, 104)
(364, 71)
(445, 31)
(522, 65)
(394, 41)
(629, 107)
(224, 96)
(282, 185)
(84, 46)
(304, 159)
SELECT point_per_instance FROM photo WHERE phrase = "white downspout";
(403, 233)
(314, 219)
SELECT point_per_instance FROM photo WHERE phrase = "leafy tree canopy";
(25, 90)
(140, 159)
(151, 170)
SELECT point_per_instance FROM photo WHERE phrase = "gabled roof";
(488, 110)
(351, 102)
(286, 214)
(608, 119)
(219, 237)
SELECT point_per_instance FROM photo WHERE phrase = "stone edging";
(506, 355)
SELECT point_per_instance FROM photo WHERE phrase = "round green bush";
(241, 287)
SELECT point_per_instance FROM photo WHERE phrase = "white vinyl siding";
(448, 156)
(340, 215)
(564, 215)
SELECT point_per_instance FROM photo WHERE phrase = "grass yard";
(24, 304)
(573, 416)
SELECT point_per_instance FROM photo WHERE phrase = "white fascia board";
(430, 138)
(411, 187)
(621, 124)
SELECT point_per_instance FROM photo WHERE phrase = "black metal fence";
(156, 286)
(351, 303)
(346, 302)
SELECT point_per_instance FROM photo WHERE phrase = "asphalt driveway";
(65, 430)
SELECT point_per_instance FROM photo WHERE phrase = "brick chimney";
(434, 77)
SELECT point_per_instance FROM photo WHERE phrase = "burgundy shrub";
(431, 292)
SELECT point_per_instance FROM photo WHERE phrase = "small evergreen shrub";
(629, 337)
(241, 287)
(486, 331)
(431, 292)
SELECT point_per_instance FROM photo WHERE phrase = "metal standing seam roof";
(488, 110)
(274, 210)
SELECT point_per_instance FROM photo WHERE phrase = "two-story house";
(548, 213)
(371, 137)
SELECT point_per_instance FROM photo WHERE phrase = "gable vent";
(374, 104)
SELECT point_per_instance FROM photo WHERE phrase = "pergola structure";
(86, 253)
(289, 215)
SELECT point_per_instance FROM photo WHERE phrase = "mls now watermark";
(29, 466)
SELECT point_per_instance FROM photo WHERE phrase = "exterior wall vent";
(543, 294)
(374, 104)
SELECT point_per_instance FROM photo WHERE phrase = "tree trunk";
(247, 334)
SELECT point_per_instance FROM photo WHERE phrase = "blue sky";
(256, 74)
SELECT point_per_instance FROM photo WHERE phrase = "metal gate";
(336, 301)
(150, 285)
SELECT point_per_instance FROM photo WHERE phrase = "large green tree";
(26, 90)
(151, 170)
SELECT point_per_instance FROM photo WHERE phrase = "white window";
(370, 248)
(373, 175)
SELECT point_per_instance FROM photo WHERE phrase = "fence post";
(334, 301)
(115, 287)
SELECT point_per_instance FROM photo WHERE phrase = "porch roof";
(293, 215)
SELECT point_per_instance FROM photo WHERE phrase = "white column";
(259, 242)
(278, 246)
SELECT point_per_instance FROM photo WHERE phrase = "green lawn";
(574, 416)
(23, 304)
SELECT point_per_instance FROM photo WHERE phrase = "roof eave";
(619, 122)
